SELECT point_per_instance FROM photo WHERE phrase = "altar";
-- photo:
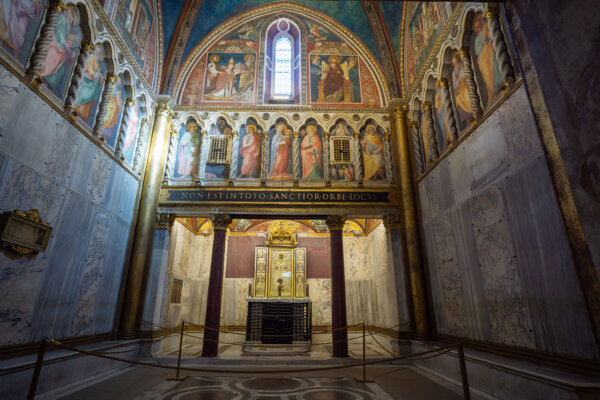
(279, 311)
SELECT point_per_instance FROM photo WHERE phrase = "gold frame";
(24, 232)
(269, 273)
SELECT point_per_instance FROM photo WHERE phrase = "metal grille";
(218, 150)
(341, 151)
(176, 292)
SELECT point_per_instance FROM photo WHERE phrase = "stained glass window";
(282, 75)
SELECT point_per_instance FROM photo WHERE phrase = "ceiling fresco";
(353, 227)
(392, 17)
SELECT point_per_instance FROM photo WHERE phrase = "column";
(296, 157)
(86, 48)
(393, 228)
(235, 148)
(109, 83)
(212, 323)
(55, 8)
(470, 80)
(141, 145)
(356, 159)
(129, 104)
(434, 150)
(157, 296)
(338, 286)
(144, 229)
(410, 221)
(416, 141)
(500, 47)
(170, 164)
(448, 110)
(326, 158)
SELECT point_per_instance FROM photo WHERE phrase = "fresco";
(460, 93)
(218, 171)
(114, 112)
(19, 23)
(311, 152)
(425, 21)
(248, 31)
(348, 13)
(131, 132)
(186, 164)
(150, 65)
(280, 152)
(250, 146)
(373, 153)
(439, 119)
(425, 141)
(230, 77)
(391, 11)
(134, 20)
(334, 78)
(487, 69)
(62, 52)
(91, 86)
(342, 172)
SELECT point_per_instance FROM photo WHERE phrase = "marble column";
(356, 159)
(326, 158)
(393, 230)
(410, 221)
(109, 83)
(448, 110)
(55, 8)
(434, 149)
(144, 228)
(155, 306)
(170, 164)
(235, 148)
(296, 157)
(339, 332)
(212, 323)
(129, 104)
(416, 141)
(500, 47)
(141, 145)
(86, 48)
(467, 69)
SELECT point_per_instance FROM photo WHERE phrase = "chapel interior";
(302, 199)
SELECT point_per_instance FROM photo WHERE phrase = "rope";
(441, 351)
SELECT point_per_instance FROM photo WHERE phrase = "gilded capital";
(464, 52)
(391, 222)
(427, 105)
(398, 111)
(491, 13)
(220, 221)
(164, 221)
(56, 5)
(87, 46)
(326, 135)
(163, 110)
(129, 102)
(414, 124)
(336, 222)
(111, 78)
(296, 134)
(443, 82)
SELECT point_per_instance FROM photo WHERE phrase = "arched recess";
(374, 152)
(249, 152)
(121, 91)
(132, 129)
(190, 82)
(311, 166)
(280, 152)
(187, 149)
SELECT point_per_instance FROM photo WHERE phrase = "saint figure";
(185, 153)
(250, 152)
(486, 58)
(281, 145)
(373, 154)
(461, 90)
(91, 84)
(310, 151)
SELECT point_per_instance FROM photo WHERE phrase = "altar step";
(271, 350)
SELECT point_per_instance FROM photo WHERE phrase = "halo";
(332, 58)
(215, 57)
(249, 57)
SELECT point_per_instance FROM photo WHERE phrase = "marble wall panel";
(509, 315)
(357, 265)
(320, 294)
(234, 307)
(158, 283)
(499, 262)
(47, 164)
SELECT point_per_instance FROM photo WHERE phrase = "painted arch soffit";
(264, 12)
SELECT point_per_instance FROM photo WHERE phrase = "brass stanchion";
(37, 369)
(463, 372)
(177, 377)
(364, 358)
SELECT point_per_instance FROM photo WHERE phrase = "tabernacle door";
(260, 272)
(281, 268)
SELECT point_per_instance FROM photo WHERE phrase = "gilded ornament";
(87, 46)
(336, 222)
(391, 222)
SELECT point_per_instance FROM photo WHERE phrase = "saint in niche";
(461, 91)
(342, 171)
(373, 154)
(186, 151)
(91, 85)
(486, 59)
(310, 151)
(281, 146)
(250, 153)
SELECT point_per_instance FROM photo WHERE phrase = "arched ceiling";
(377, 24)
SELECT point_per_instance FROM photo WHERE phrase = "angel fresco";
(62, 51)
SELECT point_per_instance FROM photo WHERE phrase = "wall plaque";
(24, 232)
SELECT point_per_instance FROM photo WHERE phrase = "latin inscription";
(277, 196)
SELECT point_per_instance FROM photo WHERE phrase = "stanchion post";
(364, 356)
(463, 372)
(177, 377)
(38, 368)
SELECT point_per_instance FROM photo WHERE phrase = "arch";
(194, 62)
(372, 145)
(250, 150)
(187, 149)
(311, 145)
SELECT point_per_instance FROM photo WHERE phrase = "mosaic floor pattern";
(263, 388)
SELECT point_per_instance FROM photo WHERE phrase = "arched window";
(282, 73)
(282, 62)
